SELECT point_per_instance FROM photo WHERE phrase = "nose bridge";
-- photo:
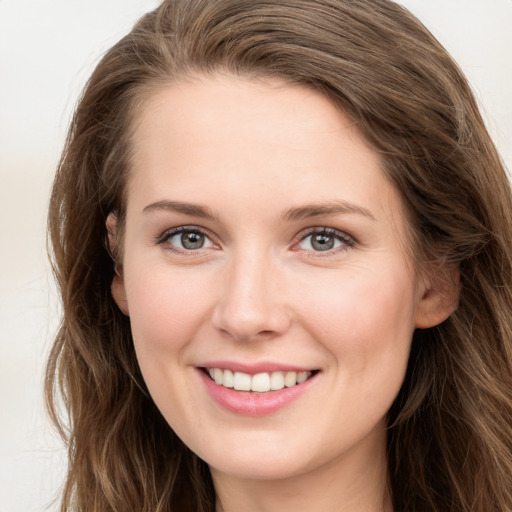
(250, 304)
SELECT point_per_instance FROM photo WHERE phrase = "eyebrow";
(292, 214)
(194, 210)
(316, 210)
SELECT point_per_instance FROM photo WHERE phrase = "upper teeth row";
(260, 382)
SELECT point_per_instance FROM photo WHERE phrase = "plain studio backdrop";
(47, 50)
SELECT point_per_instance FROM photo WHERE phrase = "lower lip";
(250, 403)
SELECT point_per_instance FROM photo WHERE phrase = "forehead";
(248, 140)
(250, 110)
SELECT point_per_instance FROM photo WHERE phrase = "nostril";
(265, 333)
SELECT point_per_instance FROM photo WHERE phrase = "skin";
(254, 154)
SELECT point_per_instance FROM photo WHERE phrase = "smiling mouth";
(260, 382)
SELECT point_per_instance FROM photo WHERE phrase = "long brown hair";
(450, 428)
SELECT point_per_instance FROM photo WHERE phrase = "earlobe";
(117, 288)
(439, 300)
(119, 294)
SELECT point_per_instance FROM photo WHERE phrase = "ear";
(117, 287)
(440, 298)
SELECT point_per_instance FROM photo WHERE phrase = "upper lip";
(255, 367)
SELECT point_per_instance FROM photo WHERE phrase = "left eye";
(325, 240)
(189, 240)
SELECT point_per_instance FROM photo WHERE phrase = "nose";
(251, 302)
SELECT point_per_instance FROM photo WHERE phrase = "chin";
(261, 468)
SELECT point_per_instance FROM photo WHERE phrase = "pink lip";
(254, 368)
(250, 403)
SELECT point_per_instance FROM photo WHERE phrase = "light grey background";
(47, 50)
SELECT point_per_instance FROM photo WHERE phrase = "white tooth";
(228, 379)
(212, 373)
(260, 382)
(302, 376)
(242, 381)
(276, 380)
(218, 376)
(290, 379)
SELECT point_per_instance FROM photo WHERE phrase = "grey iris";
(322, 242)
(192, 240)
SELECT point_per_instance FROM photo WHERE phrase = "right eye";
(186, 238)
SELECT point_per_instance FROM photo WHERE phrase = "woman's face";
(264, 245)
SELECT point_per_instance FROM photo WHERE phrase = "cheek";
(364, 317)
(166, 308)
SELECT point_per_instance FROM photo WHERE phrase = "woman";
(283, 238)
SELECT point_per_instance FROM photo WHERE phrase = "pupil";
(192, 240)
(322, 242)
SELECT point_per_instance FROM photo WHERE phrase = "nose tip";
(250, 307)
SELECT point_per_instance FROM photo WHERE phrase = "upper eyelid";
(169, 233)
(328, 230)
(185, 227)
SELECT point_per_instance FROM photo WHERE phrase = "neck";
(354, 482)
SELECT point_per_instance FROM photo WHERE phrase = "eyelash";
(346, 241)
(166, 237)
